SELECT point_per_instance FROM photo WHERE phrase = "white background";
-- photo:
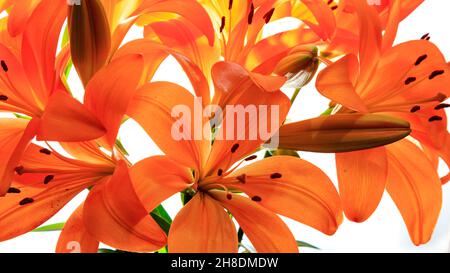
(383, 232)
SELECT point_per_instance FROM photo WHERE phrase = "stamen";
(435, 118)
(334, 7)
(19, 170)
(410, 80)
(415, 109)
(275, 175)
(426, 35)
(14, 190)
(420, 59)
(330, 2)
(242, 178)
(442, 106)
(250, 158)
(48, 179)
(26, 201)
(268, 15)
(230, 4)
(45, 151)
(229, 196)
(436, 73)
(219, 172)
(250, 14)
(440, 97)
(3, 98)
(222, 26)
(256, 198)
(234, 148)
(4, 66)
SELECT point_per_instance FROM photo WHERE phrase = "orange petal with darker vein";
(15, 135)
(294, 188)
(202, 226)
(239, 135)
(157, 178)
(362, 179)
(337, 82)
(191, 10)
(267, 232)
(115, 216)
(26, 208)
(415, 188)
(110, 91)
(74, 237)
(370, 39)
(20, 14)
(325, 18)
(66, 119)
(154, 53)
(158, 100)
(40, 43)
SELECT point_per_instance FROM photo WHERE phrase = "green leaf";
(276, 152)
(240, 235)
(161, 217)
(161, 212)
(52, 227)
(304, 244)
(22, 116)
(327, 112)
(120, 146)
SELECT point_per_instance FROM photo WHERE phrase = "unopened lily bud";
(343, 133)
(90, 37)
(299, 66)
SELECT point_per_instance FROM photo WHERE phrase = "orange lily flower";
(409, 81)
(335, 32)
(238, 30)
(45, 180)
(31, 85)
(273, 185)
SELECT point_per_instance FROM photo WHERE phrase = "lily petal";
(202, 226)
(74, 237)
(20, 14)
(114, 215)
(191, 10)
(362, 179)
(39, 46)
(239, 87)
(294, 188)
(64, 113)
(267, 232)
(110, 91)
(337, 82)
(15, 135)
(157, 178)
(26, 208)
(159, 100)
(415, 188)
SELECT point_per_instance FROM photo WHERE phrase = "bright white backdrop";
(383, 232)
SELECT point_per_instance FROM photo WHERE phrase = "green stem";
(296, 92)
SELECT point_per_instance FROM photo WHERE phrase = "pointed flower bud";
(299, 66)
(90, 37)
(343, 133)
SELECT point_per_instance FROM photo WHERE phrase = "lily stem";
(296, 92)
